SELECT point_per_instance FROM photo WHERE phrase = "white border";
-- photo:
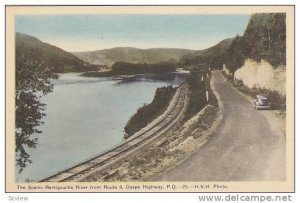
(123, 197)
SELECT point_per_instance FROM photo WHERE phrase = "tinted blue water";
(85, 116)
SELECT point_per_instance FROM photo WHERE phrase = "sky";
(94, 32)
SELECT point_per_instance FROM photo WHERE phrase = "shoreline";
(104, 74)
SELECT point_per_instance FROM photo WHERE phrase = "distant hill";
(132, 55)
(31, 48)
(213, 55)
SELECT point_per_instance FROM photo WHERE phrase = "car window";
(264, 100)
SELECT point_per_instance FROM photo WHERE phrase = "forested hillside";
(264, 38)
(213, 56)
(132, 55)
(29, 48)
(124, 68)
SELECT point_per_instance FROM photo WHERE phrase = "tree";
(33, 80)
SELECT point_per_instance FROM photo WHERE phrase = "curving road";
(247, 146)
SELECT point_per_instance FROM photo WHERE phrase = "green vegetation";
(32, 80)
(97, 74)
(264, 38)
(197, 84)
(56, 59)
(213, 56)
(132, 55)
(123, 68)
(149, 112)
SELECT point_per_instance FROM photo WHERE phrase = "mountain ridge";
(212, 56)
(31, 48)
(132, 55)
(63, 61)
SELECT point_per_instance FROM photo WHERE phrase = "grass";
(197, 83)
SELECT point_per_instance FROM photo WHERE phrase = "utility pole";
(206, 87)
(160, 94)
(206, 82)
(140, 120)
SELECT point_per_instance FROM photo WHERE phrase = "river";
(85, 116)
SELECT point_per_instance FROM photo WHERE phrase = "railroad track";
(82, 169)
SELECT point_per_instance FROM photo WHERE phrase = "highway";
(247, 146)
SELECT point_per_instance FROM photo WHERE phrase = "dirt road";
(249, 145)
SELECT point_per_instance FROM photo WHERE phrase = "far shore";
(131, 76)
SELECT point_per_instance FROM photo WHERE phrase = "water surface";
(85, 116)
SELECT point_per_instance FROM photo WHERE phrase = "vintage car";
(262, 101)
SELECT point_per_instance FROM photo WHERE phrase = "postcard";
(150, 98)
